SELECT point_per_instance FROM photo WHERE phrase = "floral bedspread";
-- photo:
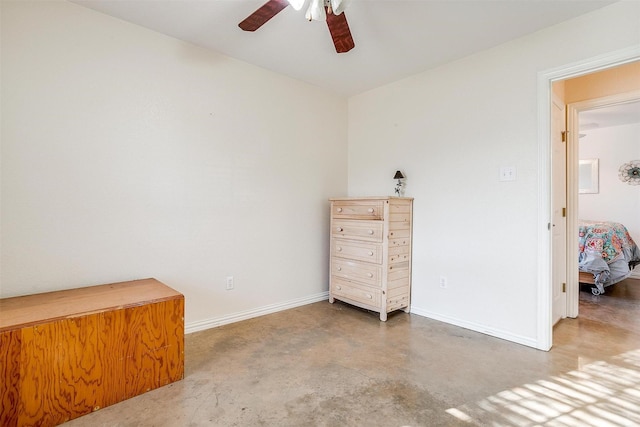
(607, 251)
(610, 239)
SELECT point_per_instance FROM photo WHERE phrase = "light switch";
(507, 173)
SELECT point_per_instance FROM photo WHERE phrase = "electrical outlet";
(229, 283)
(443, 282)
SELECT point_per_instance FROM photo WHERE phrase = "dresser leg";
(407, 309)
(383, 316)
(331, 299)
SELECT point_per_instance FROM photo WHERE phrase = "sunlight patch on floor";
(600, 394)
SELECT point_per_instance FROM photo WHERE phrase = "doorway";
(574, 111)
(547, 187)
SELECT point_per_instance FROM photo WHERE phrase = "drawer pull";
(339, 268)
(370, 253)
(339, 248)
(340, 229)
(370, 210)
(338, 287)
(369, 296)
(369, 275)
(339, 209)
(370, 232)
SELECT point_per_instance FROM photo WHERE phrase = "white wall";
(451, 129)
(128, 154)
(616, 201)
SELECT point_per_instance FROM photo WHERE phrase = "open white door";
(558, 209)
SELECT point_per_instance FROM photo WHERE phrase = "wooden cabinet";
(371, 252)
(67, 353)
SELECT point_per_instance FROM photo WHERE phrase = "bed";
(607, 254)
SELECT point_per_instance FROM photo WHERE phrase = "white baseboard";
(477, 327)
(201, 325)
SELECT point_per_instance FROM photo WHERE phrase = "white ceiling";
(614, 115)
(393, 38)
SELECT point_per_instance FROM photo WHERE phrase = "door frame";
(573, 112)
(545, 262)
(559, 219)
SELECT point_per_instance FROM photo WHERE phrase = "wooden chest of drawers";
(371, 252)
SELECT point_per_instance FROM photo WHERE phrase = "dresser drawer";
(369, 274)
(361, 294)
(356, 209)
(370, 231)
(361, 251)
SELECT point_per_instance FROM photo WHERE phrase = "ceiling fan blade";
(263, 14)
(340, 33)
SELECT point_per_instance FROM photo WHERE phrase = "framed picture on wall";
(588, 176)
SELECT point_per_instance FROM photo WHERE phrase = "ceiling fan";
(319, 10)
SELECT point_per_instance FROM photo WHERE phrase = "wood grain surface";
(60, 369)
(32, 309)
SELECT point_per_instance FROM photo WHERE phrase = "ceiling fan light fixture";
(316, 11)
(297, 4)
(338, 6)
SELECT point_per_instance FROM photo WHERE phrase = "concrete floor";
(335, 365)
